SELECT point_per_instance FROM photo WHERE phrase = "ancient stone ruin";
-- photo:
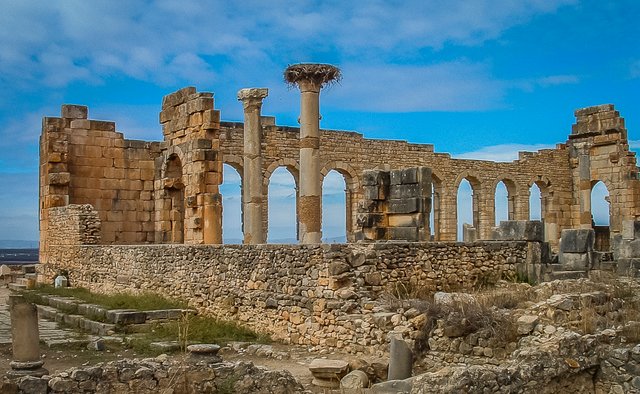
(126, 215)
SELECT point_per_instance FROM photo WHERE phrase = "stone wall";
(148, 192)
(159, 375)
(328, 295)
(85, 161)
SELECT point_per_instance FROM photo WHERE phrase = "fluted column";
(252, 196)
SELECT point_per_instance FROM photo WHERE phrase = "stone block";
(407, 220)
(404, 205)
(377, 192)
(630, 229)
(59, 178)
(575, 261)
(395, 177)
(527, 323)
(374, 233)
(404, 191)
(74, 111)
(410, 175)
(577, 240)
(375, 177)
(369, 219)
(469, 233)
(126, 316)
(403, 233)
(519, 230)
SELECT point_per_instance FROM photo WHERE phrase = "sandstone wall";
(327, 295)
(351, 154)
(86, 161)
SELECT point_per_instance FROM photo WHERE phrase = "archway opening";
(535, 202)
(334, 208)
(501, 207)
(282, 197)
(600, 204)
(466, 208)
(173, 231)
(600, 215)
(231, 190)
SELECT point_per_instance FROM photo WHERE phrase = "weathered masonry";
(168, 192)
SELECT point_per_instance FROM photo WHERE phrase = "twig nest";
(320, 74)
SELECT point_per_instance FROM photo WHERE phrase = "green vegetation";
(144, 301)
(194, 329)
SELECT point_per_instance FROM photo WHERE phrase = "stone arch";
(234, 161)
(436, 201)
(476, 193)
(171, 152)
(172, 197)
(349, 173)
(231, 206)
(352, 183)
(512, 194)
(548, 210)
(293, 168)
(602, 229)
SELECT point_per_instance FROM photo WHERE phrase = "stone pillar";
(252, 196)
(400, 360)
(310, 78)
(212, 214)
(584, 189)
(25, 339)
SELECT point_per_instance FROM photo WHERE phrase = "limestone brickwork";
(168, 192)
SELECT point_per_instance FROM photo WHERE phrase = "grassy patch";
(144, 301)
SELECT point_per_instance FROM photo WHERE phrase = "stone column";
(400, 360)
(310, 78)
(584, 188)
(252, 196)
(25, 339)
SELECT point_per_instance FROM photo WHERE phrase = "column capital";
(252, 96)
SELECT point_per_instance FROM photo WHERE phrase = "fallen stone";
(203, 349)
(527, 323)
(354, 380)
(393, 387)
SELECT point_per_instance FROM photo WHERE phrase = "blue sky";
(479, 79)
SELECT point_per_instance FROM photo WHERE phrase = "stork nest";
(320, 74)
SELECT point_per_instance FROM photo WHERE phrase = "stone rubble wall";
(326, 295)
(159, 375)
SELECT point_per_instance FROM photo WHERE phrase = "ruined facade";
(167, 192)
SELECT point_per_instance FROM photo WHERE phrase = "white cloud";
(502, 152)
(167, 42)
(454, 86)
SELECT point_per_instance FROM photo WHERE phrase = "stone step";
(76, 321)
(16, 287)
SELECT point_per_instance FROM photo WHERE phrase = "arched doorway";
(282, 199)
(334, 208)
(231, 190)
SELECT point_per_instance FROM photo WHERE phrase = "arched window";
(501, 203)
(231, 190)
(535, 202)
(334, 227)
(600, 204)
(283, 224)
(465, 207)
